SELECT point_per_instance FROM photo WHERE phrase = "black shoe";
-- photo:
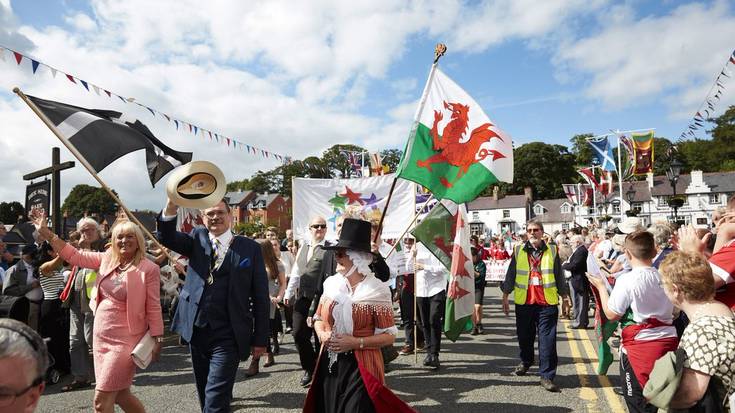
(521, 370)
(306, 379)
(432, 361)
(480, 330)
(549, 385)
(474, 331)
(288, 330)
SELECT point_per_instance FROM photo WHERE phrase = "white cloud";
(643, 60)
(81, 21)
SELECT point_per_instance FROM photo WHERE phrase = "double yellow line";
(583, 368)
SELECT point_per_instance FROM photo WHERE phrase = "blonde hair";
(691, 273)
(127, 227)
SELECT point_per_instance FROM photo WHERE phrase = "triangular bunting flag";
(96, 89)
(53, 72)
(18, 57)
(195, 130)
(109, 95)
(84, 83)
(122, 98)
(210, 135)
(167, 118)
(151, 110)
(2, 54)
(71, 78)
(228, 142)
(34, 65)
(176, 122)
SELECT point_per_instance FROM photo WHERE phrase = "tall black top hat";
(355, 236)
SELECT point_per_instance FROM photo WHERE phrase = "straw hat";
(198, 184)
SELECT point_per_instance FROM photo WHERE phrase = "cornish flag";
(103, 136)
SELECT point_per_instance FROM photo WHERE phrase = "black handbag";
(389, 353)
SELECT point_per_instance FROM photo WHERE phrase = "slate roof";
(552, 211)
(236, 197)
(507, 202)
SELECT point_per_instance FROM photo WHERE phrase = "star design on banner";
(338, 202)
(372, 201)
(352, 197)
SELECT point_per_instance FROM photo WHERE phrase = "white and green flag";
(455, 150)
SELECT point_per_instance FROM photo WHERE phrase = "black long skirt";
(341, 390)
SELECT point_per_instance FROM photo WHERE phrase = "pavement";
(475, 376)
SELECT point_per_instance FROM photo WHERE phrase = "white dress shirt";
(302, 258)
(432, 279)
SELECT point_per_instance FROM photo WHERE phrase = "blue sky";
(295, 79)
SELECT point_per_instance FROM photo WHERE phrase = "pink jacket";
(144, 288)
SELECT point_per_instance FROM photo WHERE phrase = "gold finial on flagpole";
(439, 51)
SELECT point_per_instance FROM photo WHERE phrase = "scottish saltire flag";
(570, 190)
(454, 149)
(103, 136)
(603, 154)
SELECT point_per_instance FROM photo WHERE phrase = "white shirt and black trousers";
(431, 296)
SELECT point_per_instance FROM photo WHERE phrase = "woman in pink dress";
(126, 306)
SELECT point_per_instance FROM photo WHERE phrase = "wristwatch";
(362, 343)
(158, 339)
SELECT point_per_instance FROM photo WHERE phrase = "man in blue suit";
(224, 305)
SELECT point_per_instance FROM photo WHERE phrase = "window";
(663, 201)
(565, 209)
(616, 208)
(506, 213)
(538, 210)
(702, 221)
(565, 227)
(475, 216)
(637, 207)
(714, 199)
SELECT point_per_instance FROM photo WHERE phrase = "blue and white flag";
(603, 154)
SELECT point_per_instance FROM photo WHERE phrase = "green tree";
(544, 168)
(699, 154)
(11, 211)
(86, 199)
(661, 155)
(723, 138)
(581, 149)
(391, 157)
(336, 161)
(234, 186)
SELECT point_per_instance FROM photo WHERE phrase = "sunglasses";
(319, 226)
(533, 230)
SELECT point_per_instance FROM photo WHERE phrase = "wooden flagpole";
(439, 51)
(91, 170)
(415, 311)
(415, 217)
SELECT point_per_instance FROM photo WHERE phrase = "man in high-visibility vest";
(535, 278)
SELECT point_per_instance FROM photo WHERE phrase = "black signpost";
(55, 171)
(38, 195)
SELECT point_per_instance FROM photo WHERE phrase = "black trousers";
(431, 312)
(632, 391)
(406, 303)
(302, 334)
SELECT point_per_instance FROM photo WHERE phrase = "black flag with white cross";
(103, 136)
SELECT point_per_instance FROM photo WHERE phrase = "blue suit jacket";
(248, 302)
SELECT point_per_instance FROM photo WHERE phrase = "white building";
(701, 192)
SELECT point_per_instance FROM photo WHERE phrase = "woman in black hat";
(354, 320)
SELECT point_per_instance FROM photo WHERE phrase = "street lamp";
(629, 196)
(673, 175)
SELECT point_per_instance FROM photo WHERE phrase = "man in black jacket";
(577, 265)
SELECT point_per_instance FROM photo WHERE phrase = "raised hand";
(38, 218)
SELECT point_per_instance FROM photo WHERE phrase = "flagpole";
(415, 311)
(439, 51)
(620, 178)
(91, 170)
(415, 217)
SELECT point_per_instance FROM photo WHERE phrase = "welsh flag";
(454, 150)
(448, 221)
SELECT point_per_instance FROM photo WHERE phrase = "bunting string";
(178, 124)
(707, 107)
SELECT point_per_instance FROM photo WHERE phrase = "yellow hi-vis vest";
(89, 281)
(547, 275)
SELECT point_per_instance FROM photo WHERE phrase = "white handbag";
(143, 352)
